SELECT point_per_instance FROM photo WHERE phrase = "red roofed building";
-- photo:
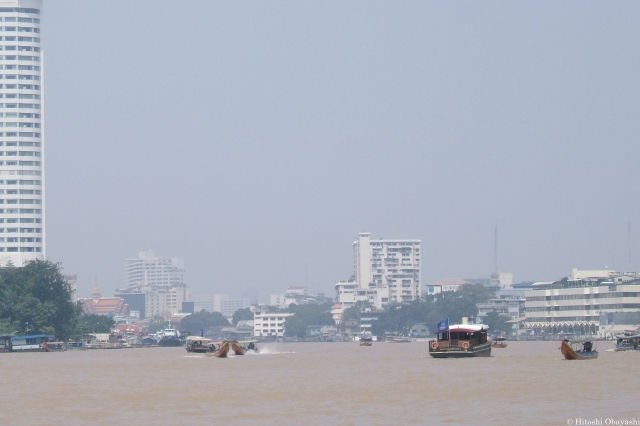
(111, 306)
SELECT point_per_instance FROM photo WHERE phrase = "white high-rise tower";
(22, 233)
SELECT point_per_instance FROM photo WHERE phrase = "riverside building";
(22, 224)
(385, 271)
(604, 302)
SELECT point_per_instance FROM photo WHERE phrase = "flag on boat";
(443, 325)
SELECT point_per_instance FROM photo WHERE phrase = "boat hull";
(570, 354)
(237, 349)
(170, 342)
(222, 352)
(482, 350)
(365, 343)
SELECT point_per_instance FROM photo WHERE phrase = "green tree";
(95, 324)
(431, 309)
(498, 323)
(305, 315)
(203, 320)
(242, 315)
(36, 297)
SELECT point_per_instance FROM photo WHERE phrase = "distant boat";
(199, 344)
(571, 349)
(170, 337)
(461, 341)
(366, 340)
(499, 342)
(54, 346)
(628, 341)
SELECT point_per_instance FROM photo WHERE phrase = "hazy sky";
(257, 139)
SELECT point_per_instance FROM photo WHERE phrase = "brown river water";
(319, 383)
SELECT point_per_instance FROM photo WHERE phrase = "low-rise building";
(267, 324)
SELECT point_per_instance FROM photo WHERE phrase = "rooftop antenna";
(629, 245)
(495, 250)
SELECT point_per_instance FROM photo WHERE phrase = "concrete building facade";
(267, 324)
(583, 302)
(385, 271)
(22, 207)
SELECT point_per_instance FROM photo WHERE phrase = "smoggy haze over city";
(257, 139)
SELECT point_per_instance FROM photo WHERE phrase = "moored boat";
(30, 343)
(461, 341)
(170, 337)
(571, 349)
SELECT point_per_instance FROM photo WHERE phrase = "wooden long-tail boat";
(54, 346)
(570, 350)
(222, 352)
(237, 349)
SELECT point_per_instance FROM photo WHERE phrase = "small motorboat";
(571, 348)
(628, 341)
(499, 342)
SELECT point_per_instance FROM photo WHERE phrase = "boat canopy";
(582, 339)
(628, 336)
(197, 338)
(466, 328)
(247, 341)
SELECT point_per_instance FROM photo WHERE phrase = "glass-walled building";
(22, 224)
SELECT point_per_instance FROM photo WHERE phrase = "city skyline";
(255, 142)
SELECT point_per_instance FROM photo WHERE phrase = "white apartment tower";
(22, 224)
(385, 271)
(147, 270)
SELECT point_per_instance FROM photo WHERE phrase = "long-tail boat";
(222, 352)
(571, 349)
(237, 349)
(54, 346)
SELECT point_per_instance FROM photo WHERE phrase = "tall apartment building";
(385, 271)
(154, 271)
(22, 224)
(157, 283)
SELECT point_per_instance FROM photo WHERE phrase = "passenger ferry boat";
(628, 341)
(461, 341)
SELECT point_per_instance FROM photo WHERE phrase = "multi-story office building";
(385, 271)
(584, 302)
(154, 271)
(22, 224)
